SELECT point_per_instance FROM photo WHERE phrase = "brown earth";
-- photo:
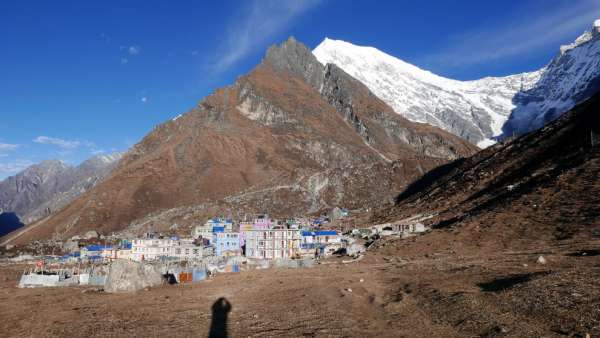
(443, 284)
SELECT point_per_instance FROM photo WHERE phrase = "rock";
(70, 246)
(362, 280)
(9, 246)
(128, 276)
(355, 249)
(541, 260)
(92, 234)
(349, 290)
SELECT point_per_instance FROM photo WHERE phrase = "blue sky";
(79, 78)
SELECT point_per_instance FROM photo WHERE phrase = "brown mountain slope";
(540, 187)
(289, 138)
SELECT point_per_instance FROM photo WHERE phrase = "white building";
(320, 243)
(158, 248)
(272, 243)
(206, 230)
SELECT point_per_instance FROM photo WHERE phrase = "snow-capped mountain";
(476, 110)
(571, 77)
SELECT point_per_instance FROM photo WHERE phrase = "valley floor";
(412, 288)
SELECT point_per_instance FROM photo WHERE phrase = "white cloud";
(264, 18)
(64, 144)
(519, 36)
(144, 99)
(8, 146)
(134, 50)
(14, 166)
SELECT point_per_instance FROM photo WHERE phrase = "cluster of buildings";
(261, 238)
(265, 238)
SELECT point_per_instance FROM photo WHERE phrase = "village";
(219, 245)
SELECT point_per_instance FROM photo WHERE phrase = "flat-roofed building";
(273, 243)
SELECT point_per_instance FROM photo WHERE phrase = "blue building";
(227, 244)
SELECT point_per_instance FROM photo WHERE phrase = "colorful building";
(227, 244)
(206, 230)
(262, 222)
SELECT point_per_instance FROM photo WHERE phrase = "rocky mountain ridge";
(44, 188)
(483, 110)
(290, 138)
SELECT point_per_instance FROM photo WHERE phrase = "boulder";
(541, 260)
(70, 246)
(129, 276)
(92, 234)
(355, 249)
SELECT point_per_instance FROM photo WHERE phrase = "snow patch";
(485, 143)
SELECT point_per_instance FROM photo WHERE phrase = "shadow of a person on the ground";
(218, 324)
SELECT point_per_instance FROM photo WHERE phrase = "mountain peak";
(295, 57)
(583, 38)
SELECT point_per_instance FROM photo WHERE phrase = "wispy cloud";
(144, 99)
(519, 36)
(64, 144)
(124, 61)
(14, 166)
(134, 50)
(262, 20)
(8, 147)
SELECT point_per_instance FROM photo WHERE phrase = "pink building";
(262, 222)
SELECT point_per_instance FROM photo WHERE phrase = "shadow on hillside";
(504, 283)
(428, 180)
(9, 221)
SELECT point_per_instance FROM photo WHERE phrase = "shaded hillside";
(541, 185)
(9, 221)
(291, 137)
(44, 188)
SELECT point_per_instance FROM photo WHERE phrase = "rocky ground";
(465, 286)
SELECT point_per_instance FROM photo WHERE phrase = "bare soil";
(402, 288)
